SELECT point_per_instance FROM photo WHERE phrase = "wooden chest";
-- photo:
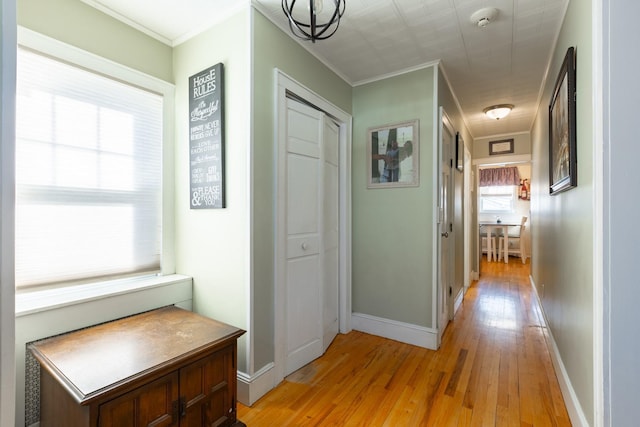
(166, 367)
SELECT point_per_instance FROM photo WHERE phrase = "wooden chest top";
(93, 361)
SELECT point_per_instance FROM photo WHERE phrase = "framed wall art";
(562, 128)
(504, 146)
(392, 155)
(206, 139)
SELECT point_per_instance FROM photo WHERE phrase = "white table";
(492, 228)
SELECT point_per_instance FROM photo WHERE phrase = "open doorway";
(503, 212)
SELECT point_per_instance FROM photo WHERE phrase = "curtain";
(499, 176)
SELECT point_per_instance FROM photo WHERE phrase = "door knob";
(445, 234)
(304, 246)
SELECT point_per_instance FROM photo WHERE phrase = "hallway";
(493, 369)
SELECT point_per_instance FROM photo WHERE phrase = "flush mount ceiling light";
(484, 17)
(498, 111)
(311, 20)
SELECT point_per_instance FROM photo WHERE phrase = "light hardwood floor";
(493, 368)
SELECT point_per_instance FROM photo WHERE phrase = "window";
(497, 199)
(88, 174)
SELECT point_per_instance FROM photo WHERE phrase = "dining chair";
(516, 241)
(488, 243)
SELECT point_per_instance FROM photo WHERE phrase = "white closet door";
(331, 220)
(304, 252)
(312, 234)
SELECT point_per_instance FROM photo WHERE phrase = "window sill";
(49, 299)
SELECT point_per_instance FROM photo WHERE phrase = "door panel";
(303, 309)
(312, 222)
(149, 405)
(304, 339)
(302, 130)
(446, 243)
(207, 387)
(331, 223)
(302, 195)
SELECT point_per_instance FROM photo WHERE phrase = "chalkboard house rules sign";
(206, 138)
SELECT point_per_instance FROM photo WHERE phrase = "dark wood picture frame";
(562, 128)
(459, 162)
(503, 146)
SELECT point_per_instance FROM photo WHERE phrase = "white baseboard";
(576, 414)
(398, 331)
(458, 302)
(251, 388)
(475, 275)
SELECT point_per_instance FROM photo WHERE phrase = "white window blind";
(496, 199)
(88, 175)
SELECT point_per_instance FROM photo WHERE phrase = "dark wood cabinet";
(167, 367)
(153, 404)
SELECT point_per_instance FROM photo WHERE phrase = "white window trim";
(62, 296)
(56, 298)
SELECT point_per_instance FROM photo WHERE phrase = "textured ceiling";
(502, 63)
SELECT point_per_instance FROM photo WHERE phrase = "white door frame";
(442, 289)
(467, 208)
(283, 85)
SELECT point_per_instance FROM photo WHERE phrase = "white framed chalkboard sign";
(206, 138)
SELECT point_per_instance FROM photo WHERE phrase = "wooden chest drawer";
(167, 367)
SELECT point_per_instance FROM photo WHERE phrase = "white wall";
(213, 245)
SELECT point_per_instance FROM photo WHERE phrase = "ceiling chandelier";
(498, 111)
(314, 23)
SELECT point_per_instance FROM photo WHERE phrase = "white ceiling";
(503, 63)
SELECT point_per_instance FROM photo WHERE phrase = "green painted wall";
(212, 245)
(562, 239)
(393, 228)
(447, 101)
(272, 49)
(521, 145)
(80, 25)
